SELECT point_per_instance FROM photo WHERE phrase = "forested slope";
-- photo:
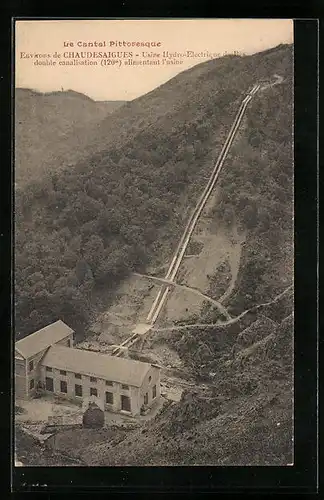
(256, 191)
(86, 227)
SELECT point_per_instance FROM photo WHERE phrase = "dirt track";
(194, 290)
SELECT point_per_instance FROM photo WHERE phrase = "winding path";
(198, 292)
(279, 79)
(223, 323)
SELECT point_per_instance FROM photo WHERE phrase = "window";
(31, 366)
(109, 398)
(124, 386)
(78, 390)
(69, 343)
(31, 384)
(48, 369)
(77, 375)
(62, 372)
(93, 391)
(63, 386)
(154, 392)
(20, 368)
(93, 379)
(150, 378)
(108, 382)
(146, 398)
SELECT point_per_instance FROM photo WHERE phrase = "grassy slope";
(52, 129)
(30, 452)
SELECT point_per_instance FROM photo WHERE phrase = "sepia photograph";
(153, 242)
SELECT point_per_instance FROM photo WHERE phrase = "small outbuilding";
(93, 417)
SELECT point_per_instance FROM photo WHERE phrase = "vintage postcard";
(154, 252)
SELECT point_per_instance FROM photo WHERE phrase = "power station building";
(46, 362)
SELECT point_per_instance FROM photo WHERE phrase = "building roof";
(124, 371)
(40, 340)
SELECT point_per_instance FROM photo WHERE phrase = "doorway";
(49, 385)
(125, 403)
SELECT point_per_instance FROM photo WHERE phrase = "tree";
(93, 251)
(250, 216)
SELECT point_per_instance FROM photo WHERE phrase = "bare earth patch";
(134, 299)
(39, 410)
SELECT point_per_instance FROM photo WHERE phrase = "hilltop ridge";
(52, 128)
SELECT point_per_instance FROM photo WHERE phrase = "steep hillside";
(244, 419)
(257, 192)
(204, 348)
(80, 233)
(52, 129)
